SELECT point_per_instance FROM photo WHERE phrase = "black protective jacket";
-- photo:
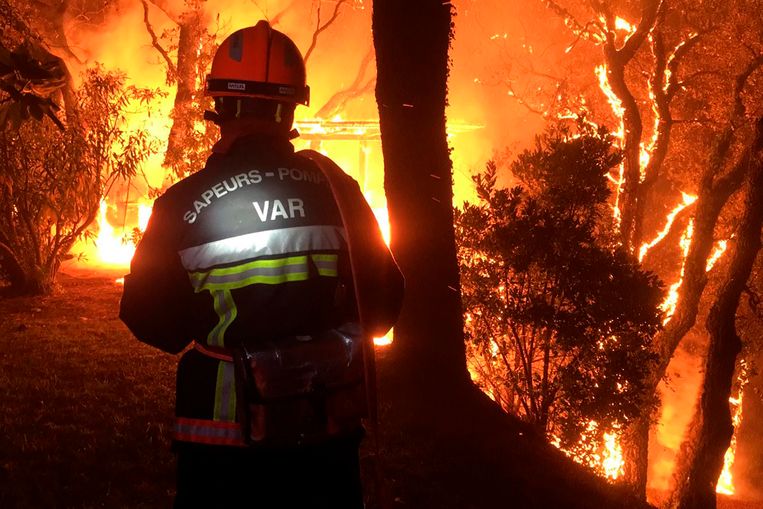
(252, 246)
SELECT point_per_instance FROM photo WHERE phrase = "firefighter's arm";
(154, 304)
(380, 277)
(379, 284)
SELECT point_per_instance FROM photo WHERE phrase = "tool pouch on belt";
(301, 389)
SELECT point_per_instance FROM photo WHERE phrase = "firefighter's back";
(260, 236)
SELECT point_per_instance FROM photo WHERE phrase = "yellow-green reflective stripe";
(267, 280)
(326, 264)
(226, 310)
(270, 272)
(274, 263)
(225, 393)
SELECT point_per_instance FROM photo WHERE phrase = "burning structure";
(638, 67)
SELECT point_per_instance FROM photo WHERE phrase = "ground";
(87, 409)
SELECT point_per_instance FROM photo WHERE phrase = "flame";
(725, 484)
(112, 249)
(688, 199)
(619, 111)
(720, 249)
(382, 217)
(621, 24)
(669, 305)
(608, 459)
(614, 101)
(613, 462)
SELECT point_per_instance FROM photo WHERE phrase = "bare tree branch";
(165, 7)
(320, 28)
(277, 18)
(338, 101)
(578, 29)
(172, 70)
(649, 12)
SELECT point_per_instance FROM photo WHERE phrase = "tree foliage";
(52, 180)
(29, 76)
(559, 322)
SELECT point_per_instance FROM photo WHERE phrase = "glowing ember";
(720, 248)
(669, 306)
(688, 199)
(614, 101)
(619, 111)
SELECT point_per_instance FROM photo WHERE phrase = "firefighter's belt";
(301, 389)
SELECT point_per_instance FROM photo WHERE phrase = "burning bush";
(559, 319)
(52, 179)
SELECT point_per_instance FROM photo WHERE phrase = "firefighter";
(263, 247)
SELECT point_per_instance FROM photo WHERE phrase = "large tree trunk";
(435, 424)
(713, 195)
(701, 459)
(411, 93)
(715, 188)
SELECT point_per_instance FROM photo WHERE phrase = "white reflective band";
(267, 243)
(208, 431)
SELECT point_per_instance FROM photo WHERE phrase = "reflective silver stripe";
(198, 428)
(267, 243)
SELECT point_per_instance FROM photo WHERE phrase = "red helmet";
(259, 62)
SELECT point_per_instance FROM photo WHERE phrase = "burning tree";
(679, 80)
(559, 321)
(54, 172)
(53, 179)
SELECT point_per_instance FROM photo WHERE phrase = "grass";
(87, 409)
(87, 414)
